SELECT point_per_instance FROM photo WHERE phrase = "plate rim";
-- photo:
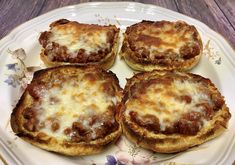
(10, 36)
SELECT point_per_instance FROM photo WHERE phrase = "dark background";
(219, 15)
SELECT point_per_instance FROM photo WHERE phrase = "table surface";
(219, 15)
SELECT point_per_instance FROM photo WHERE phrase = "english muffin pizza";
(76, 108)
(170, 111)
(69, 109)
(161, 45)
(70, 42)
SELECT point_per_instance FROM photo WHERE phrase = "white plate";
(217, 63)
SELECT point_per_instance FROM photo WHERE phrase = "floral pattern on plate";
(126, 153)
(213, 55)
(19, 74)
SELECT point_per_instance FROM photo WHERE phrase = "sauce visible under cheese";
(162, 42)
(74, 42)
(165, 104)
(71, 102)
(165, 39)
(74, 39)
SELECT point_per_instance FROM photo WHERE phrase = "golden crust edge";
(74, 149)
(176, 143)
(187, 65)
(220, 120)
(105, 63)
(52, 144)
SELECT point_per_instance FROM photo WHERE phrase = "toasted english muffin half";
(70, 42)
(161, 45)
(69, 110)
(170, 111)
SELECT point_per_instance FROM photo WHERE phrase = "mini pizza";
(70, 42)
(69, 110)
(170, 111)
(161, 45)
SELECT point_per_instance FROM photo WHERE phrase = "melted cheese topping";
(163, 101)
(79, 36)
(71, 102)
(163, 38)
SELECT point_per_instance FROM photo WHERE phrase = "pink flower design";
(18, 54)
(131, 154)
(20, 74)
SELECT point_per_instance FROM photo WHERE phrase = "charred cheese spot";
(55, 126)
